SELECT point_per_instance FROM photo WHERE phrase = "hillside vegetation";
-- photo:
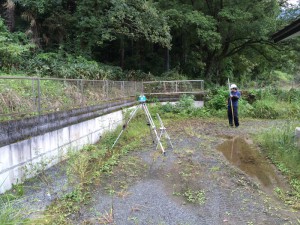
(144, 40)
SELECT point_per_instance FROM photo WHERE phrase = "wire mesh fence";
(171, 87)
(25, 96)
(28, 96)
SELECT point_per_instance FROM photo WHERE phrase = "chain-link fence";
(28, 96)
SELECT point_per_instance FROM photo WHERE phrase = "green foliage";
(184, 106)
(268, 103)
(197, 197)
(9, 214)
(12, 48)
(217, 98)
(173, 74)
(209, 39)
(139, 19)
(245, 109)
(279, 144)
(205, 28)
(64, 65)
(265, 109)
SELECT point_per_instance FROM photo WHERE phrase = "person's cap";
(233, 86)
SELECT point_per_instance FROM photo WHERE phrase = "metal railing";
(28, 96)
(173, 87)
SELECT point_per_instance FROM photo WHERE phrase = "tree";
(214, 37)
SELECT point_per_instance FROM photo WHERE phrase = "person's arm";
(236, 95)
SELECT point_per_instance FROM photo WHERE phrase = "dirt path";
(194, 183)
(210, 177)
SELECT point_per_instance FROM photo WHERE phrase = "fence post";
(39, 96)
(81, 90)
(107, 87)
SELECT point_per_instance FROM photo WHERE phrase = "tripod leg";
(153, 141)
(160, 135)
(150, 128)
(125, 125)
(153, 126)
(168, 137)
(164, 130)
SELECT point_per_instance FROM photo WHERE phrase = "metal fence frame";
(195, 87)
(37, 93)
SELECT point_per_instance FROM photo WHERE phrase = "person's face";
(233, 89)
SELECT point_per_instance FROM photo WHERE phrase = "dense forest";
(142, 40)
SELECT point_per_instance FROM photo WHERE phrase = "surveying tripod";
(152, 127)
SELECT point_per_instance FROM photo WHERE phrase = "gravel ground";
(192, 184)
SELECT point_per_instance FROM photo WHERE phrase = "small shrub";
(185, 104)
(217, 99)
(168, 107)
(265, 110)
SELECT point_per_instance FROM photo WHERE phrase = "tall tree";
(136, 20)
(213, 34)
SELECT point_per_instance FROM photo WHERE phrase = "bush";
(173, 74)
(264, 109)
(185, 104)
(245, 109)
(65, 65)
(217, 99)
(14, 47)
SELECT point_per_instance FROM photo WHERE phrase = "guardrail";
(29, 96)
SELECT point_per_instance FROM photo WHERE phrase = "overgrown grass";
(9, 213)
(279, 145)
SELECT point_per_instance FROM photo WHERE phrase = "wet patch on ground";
(240, 153)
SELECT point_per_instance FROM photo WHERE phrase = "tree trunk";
(122, 53)
(71, 5)
(10, 15)
(167, 60)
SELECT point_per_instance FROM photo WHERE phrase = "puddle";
(240, 153)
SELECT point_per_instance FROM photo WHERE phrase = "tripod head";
(142, 99)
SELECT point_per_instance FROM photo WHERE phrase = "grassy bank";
(278, 144)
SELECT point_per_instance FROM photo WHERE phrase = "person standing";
(233, 106)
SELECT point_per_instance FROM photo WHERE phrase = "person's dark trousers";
(235, 113)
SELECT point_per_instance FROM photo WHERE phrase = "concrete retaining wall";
(34, 142)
